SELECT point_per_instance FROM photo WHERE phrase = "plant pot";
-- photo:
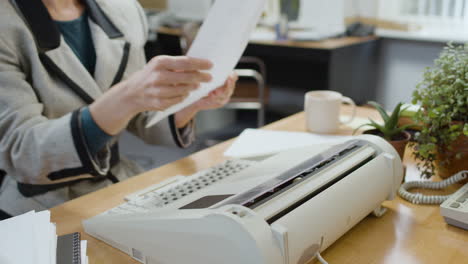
(454, 165)
(399, 144)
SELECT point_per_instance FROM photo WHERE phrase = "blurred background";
(365, 49)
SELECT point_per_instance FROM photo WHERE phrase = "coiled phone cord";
(419, 198)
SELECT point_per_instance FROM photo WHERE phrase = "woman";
(73, 76)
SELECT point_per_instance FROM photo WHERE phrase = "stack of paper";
(30, 238)
(257, 143)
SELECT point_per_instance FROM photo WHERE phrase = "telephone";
(454, 207)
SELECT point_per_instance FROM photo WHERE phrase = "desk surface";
(328, 44)
(407, 234)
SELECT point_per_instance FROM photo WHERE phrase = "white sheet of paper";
(222, 39)
(257, 142)
(84, 247)
(44, 235)
(53, 243)
(17, 240)
(28, 238)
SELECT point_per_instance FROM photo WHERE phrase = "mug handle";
(350, 101)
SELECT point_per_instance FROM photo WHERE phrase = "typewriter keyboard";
(161, 195)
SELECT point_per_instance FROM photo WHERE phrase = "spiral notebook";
(69, 249)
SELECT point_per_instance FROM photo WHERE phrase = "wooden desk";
(407, 234)
(346, 65)
(328, 44)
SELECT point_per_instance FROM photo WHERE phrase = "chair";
(248, 95)
(245, 96)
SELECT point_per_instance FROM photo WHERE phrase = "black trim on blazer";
(31, 190)
(4, 215)
(112, 178)
(67, 173)
(46, 31)
(115, 155)
(100, 18)
(174, 133)
(80, 145)
(2, 177)
(40, 22)
(52, 67)
(123, 64)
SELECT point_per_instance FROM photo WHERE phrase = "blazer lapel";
(111, 49)
(66, 65)
(111, 57)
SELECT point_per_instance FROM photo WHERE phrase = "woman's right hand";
(163, 82)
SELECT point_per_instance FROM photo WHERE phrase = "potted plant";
(390, 130)
(442, 144)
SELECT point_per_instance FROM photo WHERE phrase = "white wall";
(401, 62)
(364, 8)
(401, 68)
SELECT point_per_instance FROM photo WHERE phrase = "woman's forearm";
(111, 112)
(183, 117)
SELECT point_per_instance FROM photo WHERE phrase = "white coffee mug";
(322, 110)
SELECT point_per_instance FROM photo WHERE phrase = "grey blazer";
(43, 87)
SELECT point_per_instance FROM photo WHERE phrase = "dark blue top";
(96, 138)
(78, 36)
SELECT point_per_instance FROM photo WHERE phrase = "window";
(426, 13)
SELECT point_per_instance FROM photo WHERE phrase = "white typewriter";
(280, 210)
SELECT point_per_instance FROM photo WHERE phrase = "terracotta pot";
(399, 145)
(403, 121)
(454, 165)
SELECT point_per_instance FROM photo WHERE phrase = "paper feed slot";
(299, 174)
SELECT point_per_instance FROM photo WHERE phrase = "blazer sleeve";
(164, 132)
(35, 149)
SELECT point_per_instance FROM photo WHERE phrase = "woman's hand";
(162, 83)
(219, 97)
(216, 99)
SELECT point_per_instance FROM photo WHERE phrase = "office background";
(399, 60)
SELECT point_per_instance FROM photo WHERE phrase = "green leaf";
(407, 113)
(382, 111)
(405, 127)
(392, 122)
(443, 95)
(377, 125)
(381, 128)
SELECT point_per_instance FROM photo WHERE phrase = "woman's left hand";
(216, 99)
(219, 97)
